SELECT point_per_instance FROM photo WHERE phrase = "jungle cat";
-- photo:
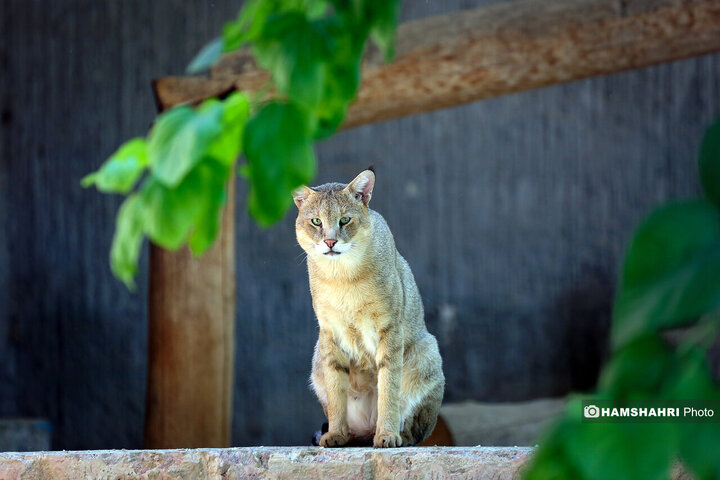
(376, 370)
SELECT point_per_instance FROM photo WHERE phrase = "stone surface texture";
(269, 463)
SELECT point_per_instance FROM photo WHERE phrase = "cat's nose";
(330, 243)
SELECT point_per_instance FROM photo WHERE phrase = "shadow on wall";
(84, 375)
(564, 347)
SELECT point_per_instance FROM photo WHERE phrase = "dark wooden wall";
(513, 214)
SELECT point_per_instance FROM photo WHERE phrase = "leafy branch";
(670, 280)
(313, 51)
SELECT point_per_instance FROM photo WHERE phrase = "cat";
(376, 370)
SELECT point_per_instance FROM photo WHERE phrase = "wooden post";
(191, 347)
(497, 49)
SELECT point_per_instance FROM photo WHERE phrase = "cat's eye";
(344, 220)
(316, 221)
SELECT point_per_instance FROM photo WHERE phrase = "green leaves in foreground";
(170, 216)
(671, 274)
(294, 51)
(120, 173)
(276, 167)
(709, 163)
(670, 279)
(672, 271)
(600, 451)
(312, 50)
(646, 370)
(190, 156)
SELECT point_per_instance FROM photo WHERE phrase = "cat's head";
(333, 221)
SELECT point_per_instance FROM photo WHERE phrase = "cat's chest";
(358, 339)
(354, 313)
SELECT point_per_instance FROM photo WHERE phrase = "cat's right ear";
(301, 194)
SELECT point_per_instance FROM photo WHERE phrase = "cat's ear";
(301, 194)
(362, 186)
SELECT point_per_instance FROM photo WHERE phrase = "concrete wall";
(513, 214)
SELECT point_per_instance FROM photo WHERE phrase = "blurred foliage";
(313, 50)
(670, 279)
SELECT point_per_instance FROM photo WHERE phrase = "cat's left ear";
(362, 186)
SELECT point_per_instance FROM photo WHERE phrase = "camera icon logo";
(591, 411)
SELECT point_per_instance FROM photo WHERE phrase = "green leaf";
(313, 53)
(294, 52)
(637, 370)
(236, 110)
(168, 216)
(699, 447)
(127, 241)
(691, 377)
(181, 138)
(550, 461)
(671, 273)
(699, 442)
(206, 57)
(315, 8)
(367, 17)
(343, 75)
(280, 158)
(171, 214)
(599, 451)
(701, 335)
(122, 170)
(212, 177)
(622, 450)
(384, 17)
(248, 24)
(709, 163)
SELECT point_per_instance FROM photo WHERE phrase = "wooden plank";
(191, 344)
(176, 90)
(469, 55)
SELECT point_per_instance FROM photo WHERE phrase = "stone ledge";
(269, 463)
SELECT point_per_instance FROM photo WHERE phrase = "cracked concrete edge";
(497, 463)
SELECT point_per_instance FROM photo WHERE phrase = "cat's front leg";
(388, 360)
(336, 370)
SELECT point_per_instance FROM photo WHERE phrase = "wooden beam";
(469, 55)
(191, 346)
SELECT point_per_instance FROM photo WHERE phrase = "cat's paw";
(387, 440)
(334, 439)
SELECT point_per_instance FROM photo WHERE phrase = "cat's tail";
(318, 434)
(365, 441)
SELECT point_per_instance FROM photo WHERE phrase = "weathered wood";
(191, 344)
(503, 48)
(176, 90)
